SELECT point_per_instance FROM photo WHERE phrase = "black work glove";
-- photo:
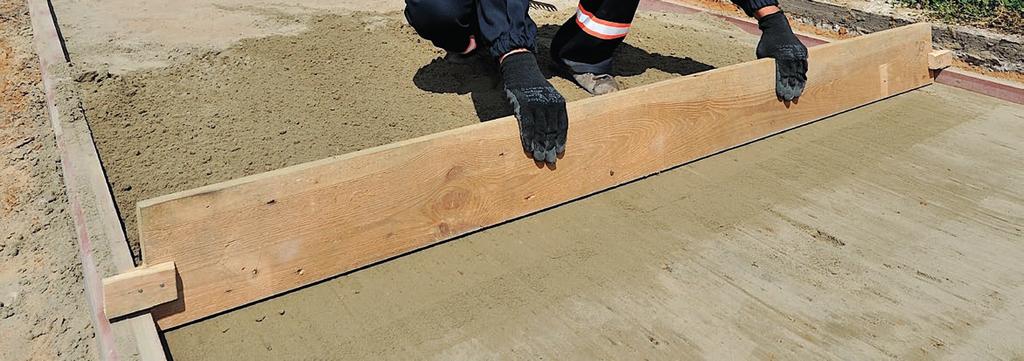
(779, 42)
(539, 108)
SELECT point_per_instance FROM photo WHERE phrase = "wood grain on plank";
(251, 238)
(140, 289)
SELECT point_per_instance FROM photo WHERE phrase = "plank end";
(940, 59)
(140, 289)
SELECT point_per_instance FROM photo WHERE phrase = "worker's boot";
(593, 83)
(596, 84)
(469, 56)
(463, 59)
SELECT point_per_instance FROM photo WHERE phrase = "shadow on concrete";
(480, 79)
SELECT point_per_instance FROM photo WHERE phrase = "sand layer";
(349, 83)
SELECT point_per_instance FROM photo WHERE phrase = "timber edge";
(194, 227)
(102, 247)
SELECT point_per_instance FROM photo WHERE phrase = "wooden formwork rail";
(247, 239)
(97, 225)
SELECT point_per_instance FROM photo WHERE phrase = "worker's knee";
(446, 23)
(428, 16)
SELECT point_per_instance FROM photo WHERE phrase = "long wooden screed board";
(251, 238)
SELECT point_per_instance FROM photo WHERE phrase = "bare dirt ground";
(42, 307)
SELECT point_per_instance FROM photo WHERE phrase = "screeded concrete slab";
(890, 231)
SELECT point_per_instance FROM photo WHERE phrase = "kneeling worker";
(583, 47)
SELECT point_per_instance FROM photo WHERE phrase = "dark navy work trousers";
(585, 43)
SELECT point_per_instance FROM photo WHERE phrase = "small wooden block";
(940, 59)
(140, 289)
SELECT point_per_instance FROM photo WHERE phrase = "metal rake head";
(542, 6)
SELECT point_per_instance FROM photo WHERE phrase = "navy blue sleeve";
(505, 25)
(750, 6)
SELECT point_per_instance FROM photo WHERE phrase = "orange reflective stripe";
(601, 21)
(601, 29)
